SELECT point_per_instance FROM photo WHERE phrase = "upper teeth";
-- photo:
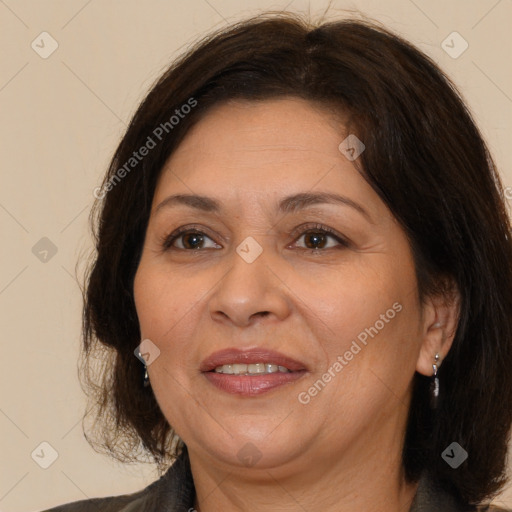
(250, 369)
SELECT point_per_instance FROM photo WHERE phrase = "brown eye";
(317, 238)
(189, 239)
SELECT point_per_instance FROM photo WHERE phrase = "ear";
(440, 319)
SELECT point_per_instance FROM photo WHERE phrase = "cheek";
(167, 308)
(372, 315)
(163, 306)
(160, 300)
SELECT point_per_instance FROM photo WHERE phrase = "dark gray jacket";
(174, 492)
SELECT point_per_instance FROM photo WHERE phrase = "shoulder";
(123, 503)
(492, 508)
(431, 496)
(173, 491)
(132, 502)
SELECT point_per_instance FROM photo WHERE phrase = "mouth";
(251, 372)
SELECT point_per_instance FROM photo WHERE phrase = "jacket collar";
(174, 492)
(431, 497)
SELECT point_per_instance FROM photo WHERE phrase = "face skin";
(340, 450)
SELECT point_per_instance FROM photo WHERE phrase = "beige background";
(62, 118)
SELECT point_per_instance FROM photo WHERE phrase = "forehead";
(255, 156)
(274, 124)
(265, 142)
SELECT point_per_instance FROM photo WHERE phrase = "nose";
(249, 292)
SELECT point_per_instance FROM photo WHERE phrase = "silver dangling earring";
(146, 377)
(434, 386)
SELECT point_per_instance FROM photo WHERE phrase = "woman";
(304, 241)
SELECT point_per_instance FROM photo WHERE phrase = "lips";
(253, 356)
(237, 372)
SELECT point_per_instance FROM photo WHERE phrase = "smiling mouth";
(253, 379)
(251, 369)
(249, 373)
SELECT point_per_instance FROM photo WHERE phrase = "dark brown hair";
(424, 157)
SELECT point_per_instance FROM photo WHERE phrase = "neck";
(328, 482)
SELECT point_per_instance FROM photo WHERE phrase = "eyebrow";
(289, 204)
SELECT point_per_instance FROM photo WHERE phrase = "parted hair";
(426, 159)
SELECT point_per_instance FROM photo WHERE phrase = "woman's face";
(257, 282)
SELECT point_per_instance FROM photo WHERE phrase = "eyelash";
(166, 241)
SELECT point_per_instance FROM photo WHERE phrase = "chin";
(254, 451)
